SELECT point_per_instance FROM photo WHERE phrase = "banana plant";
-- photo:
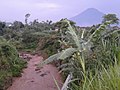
(81, 45)
(78, 45)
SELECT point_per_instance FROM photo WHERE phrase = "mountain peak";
(88, 17)
(92, 9)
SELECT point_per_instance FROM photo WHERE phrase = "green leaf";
(50, 59)
(59, 56)
(67, 53)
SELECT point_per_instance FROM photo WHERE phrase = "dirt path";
(33, 79)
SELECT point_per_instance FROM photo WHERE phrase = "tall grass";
(107, 79)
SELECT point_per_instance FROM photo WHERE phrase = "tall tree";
(17, 25)
(2, 25)
(26, 18)
(111, 17)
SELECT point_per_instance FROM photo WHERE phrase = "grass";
(107, 79)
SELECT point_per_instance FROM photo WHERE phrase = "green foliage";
(2, 26)
(17, 25)
(26, 18)
(5, 79)
(67, 53)
(88, 53)
(107, 79)
(111, 17)
(10, 63)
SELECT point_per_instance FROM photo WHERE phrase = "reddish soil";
(37, 79)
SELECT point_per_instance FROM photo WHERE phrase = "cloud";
(27, 4)
(47, 5)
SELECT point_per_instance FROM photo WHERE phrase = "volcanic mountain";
(89, 17)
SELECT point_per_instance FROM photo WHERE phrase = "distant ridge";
(88, 17)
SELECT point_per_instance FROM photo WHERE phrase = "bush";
(10, 63)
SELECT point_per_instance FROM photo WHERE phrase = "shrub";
(10, 63)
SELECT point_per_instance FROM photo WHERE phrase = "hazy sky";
(11, 10)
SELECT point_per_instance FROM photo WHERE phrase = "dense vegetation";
(87, 56)
(10, 63)
(18, 37)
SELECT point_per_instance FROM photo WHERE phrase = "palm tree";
(26, 18)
